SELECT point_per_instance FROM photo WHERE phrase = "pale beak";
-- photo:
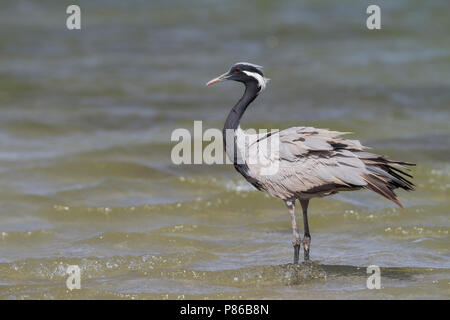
(218, 79)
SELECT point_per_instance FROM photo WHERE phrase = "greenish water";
(85, 171)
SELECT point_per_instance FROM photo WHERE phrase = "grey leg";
(307, 236)
(296, 237)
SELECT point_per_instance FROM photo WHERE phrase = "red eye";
(238, 70)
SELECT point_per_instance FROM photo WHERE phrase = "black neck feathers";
(232, 123)
(235, 115)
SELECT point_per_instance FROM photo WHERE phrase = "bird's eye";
(238, 70)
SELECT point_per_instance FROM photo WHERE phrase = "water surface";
(85, 171)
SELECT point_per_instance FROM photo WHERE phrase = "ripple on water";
(169, 276)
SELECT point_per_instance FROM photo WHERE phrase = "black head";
(243, 72)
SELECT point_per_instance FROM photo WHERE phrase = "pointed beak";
(218, 79)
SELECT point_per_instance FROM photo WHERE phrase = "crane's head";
(244, 72)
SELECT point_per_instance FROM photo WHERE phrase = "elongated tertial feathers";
(318, 162)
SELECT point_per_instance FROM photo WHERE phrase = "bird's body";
(318, 162)
(303, 162)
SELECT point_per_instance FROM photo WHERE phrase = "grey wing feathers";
(317, 162)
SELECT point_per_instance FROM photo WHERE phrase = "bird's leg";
(296, 241)
(307, 236)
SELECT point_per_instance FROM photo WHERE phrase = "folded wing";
(314, 162)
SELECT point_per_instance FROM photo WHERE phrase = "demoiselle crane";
(310, 162)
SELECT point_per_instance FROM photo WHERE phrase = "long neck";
(233, 120)
(235, 115)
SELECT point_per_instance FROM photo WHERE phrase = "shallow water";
(85, 170)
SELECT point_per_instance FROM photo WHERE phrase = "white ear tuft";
(262, 81)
